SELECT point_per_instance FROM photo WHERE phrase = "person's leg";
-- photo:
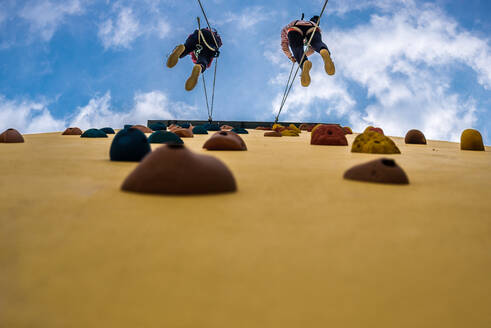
(295, 39)
(321, 48)
(182, 50)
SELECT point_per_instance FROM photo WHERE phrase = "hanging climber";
(295, 35)
(202, 47)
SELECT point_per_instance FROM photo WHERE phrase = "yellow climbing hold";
(278, 127)
(290, 133)
(374, 143)
(293, 127)
(471, 140)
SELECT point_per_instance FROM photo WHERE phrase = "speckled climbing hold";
(225, 140)
(157, 126)
(347, 130)
(226, 127)
(176, 170)
(94, 133)
(142, 128)
(374, 143)
(72, 132)
(165, 137)
(212, 127)
(415, 137)
(184, 133)
(374, 129)
(129, 145)
(108, 130)
(199, 130)
(382, 170)
(11, 136)
(289, 133)
(240, 131)
(273, 134)
(471, 140)
(328, 134)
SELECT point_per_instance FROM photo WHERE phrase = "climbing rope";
(201, 37)
(290, 82)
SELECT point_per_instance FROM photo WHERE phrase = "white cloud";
(122, 31)
(405, 60)
(45, 16)
(27, 116)
(248, 18)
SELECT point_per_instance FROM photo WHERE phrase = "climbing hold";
(185, 125)
(371, 128)
(157, 126)
(278, 127)
(108, 130)
(328, 134)
(264, 128)
(471, 140)
(72, 132)
(347, 130)
(11, 136)
(415, 137)
(382, 170)
(374, 143)
(273, 134)
(199, 130)
(129, 145)
(225, 140)
(293, 127)
(226, 127)
(306, 127)
(142, 128)
(94, 133)
(184, 133)
(314, 127)
(240, 131)
(173, 169)
(165, 137)
(289, 133)
(212, 127)
(127, 126)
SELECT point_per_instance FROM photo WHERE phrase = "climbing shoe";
(305, 77)
(193, 79)
(328, 64)
(174, 56)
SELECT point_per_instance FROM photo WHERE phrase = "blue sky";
(401, 64)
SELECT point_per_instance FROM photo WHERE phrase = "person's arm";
(285, 45)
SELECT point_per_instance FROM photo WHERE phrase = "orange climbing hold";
(471, 140)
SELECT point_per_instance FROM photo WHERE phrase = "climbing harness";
(290, 82)
(217, 54)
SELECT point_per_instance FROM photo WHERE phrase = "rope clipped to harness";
(290, 82)
(199, 47)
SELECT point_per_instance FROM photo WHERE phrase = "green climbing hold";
(200, 130)
(94, 133)
(165, 137)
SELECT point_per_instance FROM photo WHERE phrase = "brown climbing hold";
(328, 134)
(142, 128)
(264, 128)
(382, 170)
(415, 137)
(225, 140)
(374, 143)
(315, 127)
(226, 127)
(278, 127)
(304, 126)
(273, 134)
(72, 132)
(371, 128)
(176, 170)
(347, 130)
(471, 140)
(11, 136)
(184, 133)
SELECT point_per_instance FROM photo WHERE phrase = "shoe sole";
(305, 77)
(193, 79)
(174, 57)
(328, 64)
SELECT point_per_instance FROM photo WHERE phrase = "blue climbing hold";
(157, 126)
(199, 130)
(212, 127)
(108, 130)
(240, 131)
(129, 145)
(94, 133)
(164, 137)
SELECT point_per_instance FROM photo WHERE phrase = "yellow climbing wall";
(296, 246)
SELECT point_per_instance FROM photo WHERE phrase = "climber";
(202, 47)
(297, 34)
